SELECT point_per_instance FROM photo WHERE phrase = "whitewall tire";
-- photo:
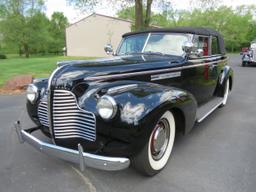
(157, 151)
(226, 93)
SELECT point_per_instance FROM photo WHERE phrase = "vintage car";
(126, 109)
(249, 55)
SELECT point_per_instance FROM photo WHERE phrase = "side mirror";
(188, 47)
(199, 52)
(108, 49)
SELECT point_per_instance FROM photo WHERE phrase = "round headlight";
(32, 93)
(107, 107)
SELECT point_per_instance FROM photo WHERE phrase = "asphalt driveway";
(218, 155)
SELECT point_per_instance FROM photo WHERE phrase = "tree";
(159, 19)
(236, 25)
(57, 28)
(127, 13)
(142, 21)
(23, 25)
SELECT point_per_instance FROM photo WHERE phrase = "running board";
(206, 109)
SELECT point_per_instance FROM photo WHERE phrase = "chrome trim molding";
(51, 77)
(105, 77)
(205, 59)
(203, 64)
(165, 76)
(114, 76)
(122, 88)
(209, 112)
(75, 156)
(49, 95)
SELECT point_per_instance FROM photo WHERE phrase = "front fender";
(147, 101)
(41, 84)
(140, 106)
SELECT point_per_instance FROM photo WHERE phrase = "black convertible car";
(110, 113)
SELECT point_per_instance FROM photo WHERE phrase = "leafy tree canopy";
(238, 26)
(25, 28)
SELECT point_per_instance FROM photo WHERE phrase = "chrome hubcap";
(160, 139)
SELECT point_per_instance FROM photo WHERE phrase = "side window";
(215, 46)
(202, 43)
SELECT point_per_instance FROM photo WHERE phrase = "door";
(201, 73)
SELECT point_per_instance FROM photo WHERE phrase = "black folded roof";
(191, 30)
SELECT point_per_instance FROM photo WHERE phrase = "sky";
(74, 15)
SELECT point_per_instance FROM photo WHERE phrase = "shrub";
(2, 56)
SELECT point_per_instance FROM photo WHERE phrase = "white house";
(88, 36)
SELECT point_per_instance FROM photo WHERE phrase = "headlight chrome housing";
(32, 93)
(107, 107)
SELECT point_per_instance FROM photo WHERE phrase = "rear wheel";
(157, 151)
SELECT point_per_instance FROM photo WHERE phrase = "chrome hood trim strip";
(116, 76)
(49, 96)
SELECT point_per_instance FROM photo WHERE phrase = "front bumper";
(76, 156)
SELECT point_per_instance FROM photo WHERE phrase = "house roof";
(97, 14)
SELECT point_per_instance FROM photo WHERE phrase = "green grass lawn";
(40, 66)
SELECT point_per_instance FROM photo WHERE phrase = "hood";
(72, 72)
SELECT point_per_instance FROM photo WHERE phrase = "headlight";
(32, 93)
(107, 107)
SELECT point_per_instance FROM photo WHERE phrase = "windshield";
(169, 44)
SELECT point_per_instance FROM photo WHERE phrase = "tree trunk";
(148, 13)
(138, 15)
(26, 50)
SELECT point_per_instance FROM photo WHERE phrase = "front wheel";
(157, 151)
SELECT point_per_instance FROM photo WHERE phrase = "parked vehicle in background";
(249, 55)
(108, 113)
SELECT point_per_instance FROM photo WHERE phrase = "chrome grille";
(70, 121)
(43, 113)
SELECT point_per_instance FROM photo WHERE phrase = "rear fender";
(226, 74)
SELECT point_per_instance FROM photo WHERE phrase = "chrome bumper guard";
(75, 156)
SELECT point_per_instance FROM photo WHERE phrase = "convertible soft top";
(191, 30)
